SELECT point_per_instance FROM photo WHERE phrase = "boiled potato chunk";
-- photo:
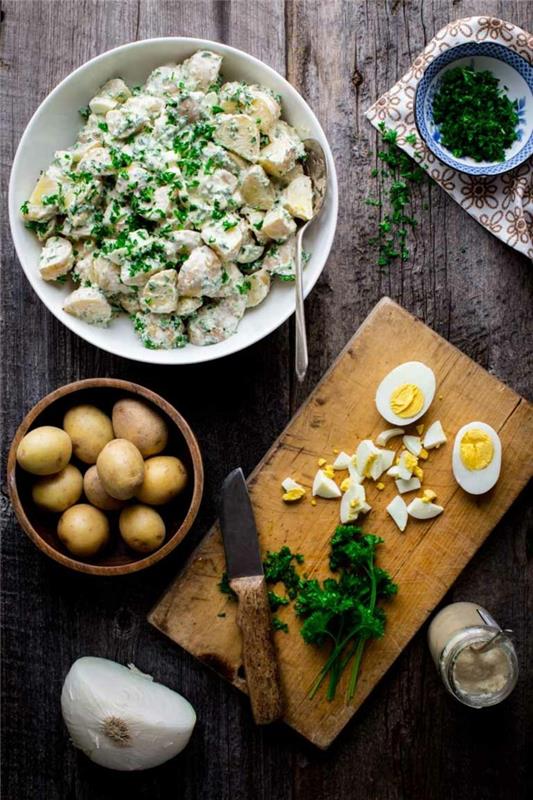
(297, 198)
(201, 274)
(259, 287)
(160, 293)
(90, 305)
(44, 451)
(56, 258)
(139, 424)
(225, 237)
(202, 69)
(96, 494)
(39, 207)
(121, 469)
(84, 530)
(240, 134)
(164, 478)
(142, 528)
(90, 430)
(60, 491)
(256, 189)
(278, 224)
(257, 101)
(281, 154)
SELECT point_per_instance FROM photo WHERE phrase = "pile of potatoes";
(122, 454)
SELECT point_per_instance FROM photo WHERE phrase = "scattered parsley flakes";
(401, 174)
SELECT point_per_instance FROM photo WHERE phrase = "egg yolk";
(477, 450)
(407, 400)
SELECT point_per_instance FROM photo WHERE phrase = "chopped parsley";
(399, 174)
(279, 569)
(475, 117)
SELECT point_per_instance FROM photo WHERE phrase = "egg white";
(477, 481)
(410, 372)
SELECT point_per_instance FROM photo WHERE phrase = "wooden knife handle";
(259, 655)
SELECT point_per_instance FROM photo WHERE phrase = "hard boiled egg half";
(477, 457)
(406, 393)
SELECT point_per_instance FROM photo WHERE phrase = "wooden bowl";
(40, 525)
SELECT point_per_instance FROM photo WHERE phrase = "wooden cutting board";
(424, 561)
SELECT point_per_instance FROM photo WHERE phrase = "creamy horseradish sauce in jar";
(475, 658)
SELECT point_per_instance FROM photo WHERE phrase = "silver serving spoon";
(315, 167)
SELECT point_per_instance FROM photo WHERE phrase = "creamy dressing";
(475, 658)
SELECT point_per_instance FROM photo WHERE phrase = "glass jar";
(476, 659)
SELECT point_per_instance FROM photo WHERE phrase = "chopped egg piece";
(394, 471)
(387, 459)
(423, 454)
(342, 461)
(325, 487)
(313, 502)
(335, 451)
(288, 484)
(293, 495)
(420, 429)
(418, 472)
(407, 486)
(428, 495)
(406, 463)
(435, 436)
(354, 472)
(420, 510)
(366, 456)
(292, 491)
(398, 511)
(345, 485)
(328, 469)
(383, 437)
(353, 503)
(321, 462)
(413, 444)
(380, 486)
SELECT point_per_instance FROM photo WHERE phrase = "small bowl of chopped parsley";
(474, 108)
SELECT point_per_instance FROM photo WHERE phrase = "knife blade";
(246, 578)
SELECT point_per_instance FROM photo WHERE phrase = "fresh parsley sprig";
(344, 610)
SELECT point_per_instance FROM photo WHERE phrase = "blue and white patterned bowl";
(516, 78)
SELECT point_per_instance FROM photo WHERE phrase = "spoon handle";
(301, 359)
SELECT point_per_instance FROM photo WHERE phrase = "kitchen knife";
(246, 578)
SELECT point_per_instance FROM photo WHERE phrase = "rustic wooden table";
(410, 740)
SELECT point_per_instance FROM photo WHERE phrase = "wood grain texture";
(259, 657)
(424, 562)
(411, 742)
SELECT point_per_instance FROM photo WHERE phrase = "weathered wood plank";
(481, 299)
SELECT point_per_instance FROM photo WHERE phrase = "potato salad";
(177, 204)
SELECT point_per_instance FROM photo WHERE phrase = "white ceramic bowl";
(54, 126)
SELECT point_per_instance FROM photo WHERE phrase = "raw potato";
(60, 491)
(120, 468)
(139, 424)
(142, 528)
(96, 494)
(164, 478)
(84, 530)
(44, 451)
(90, 430)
